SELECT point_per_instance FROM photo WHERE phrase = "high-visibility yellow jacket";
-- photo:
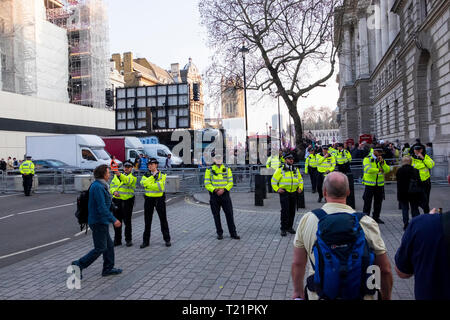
(124, 185)
(423, 166)
(311, 161)
(342, 157)
(27, 167)
(287, 180)
(332, 150)
(372, 175)
(326, 164)
(405, 152)
(218, 178)
(154, 187)
(274, 162)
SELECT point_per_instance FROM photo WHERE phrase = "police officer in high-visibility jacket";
(275, 161)
(122, 188)
(311, 167)
(288, 182)
(326, 163)
(154, 183)
(374, 168)
(219, 181)
(423, 162)
(27, 171)
(343, 159)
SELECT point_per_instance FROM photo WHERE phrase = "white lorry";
(160, 152)
(80, 150)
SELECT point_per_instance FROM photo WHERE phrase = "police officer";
(275, 161)
(374, 168)
(311, 168)
(154, 182)
(219, 181)
(423, 162)
(326, 163)
(27, 171)
(122, 188)
(343, 159)
(288, 182)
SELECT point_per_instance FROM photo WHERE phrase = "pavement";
(197, 266)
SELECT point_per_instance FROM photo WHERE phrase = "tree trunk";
(292, 107)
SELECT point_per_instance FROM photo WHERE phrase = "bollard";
(351, 198)
(260, 187)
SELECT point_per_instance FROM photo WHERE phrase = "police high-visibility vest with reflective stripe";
(324, 165)
(274, 162)
(311, 161)
(124, 185)
(423, 166)
(218, 178)
(342, 157)
(372, 175)
(332, 151)
(287, 180)
(154, 187)
(405, 152)
(27, 167)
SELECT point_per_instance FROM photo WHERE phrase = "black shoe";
(76, 263)
(219, 237)
(283, 233)
(292, 231)
(117, 244)
(111, 272)
(405, 226)
(129, 243)
(235, 237)
(144, 244)
(320, 200)
(168, 244)
(379, 221)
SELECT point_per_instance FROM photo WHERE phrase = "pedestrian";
(425, 254)
(9, 164)
(405, 150)
(409, 190)
(15, 163)
(137, 161)
(218, 182)
(288, 182)
(99, 218)
(143, 165)
(429, 149)
(311, 168)
(2, 165)
(154, 183)
(343, 159)
(122, 188)
(114, 165)
(423, 162)
(168, 161)
(374, 169)
(326, 163)
(27, 171)
(346, 225)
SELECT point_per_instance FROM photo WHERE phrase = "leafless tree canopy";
(318, 118)
(290, 42)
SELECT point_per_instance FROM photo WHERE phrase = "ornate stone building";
(394, 76)
(232, 98)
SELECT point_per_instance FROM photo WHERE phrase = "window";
(161, 153)
(133, 154)
(87, 155)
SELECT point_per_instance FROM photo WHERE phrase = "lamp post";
(279, 120)
(244, 50)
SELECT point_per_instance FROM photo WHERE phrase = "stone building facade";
(394, 73)
(232, 98)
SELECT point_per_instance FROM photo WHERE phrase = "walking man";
(219, 181)
(122, 188)
(326, 163)
(374, 169)
(288, 182)
(27, 171)
(311, 168)
(423, 162)
(154, 183)
(343, 159)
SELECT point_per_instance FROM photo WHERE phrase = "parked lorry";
(80, 150)
(160, 153)
(124, 148)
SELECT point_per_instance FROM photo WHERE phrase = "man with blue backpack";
(345, 250)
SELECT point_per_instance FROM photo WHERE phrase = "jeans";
(103, 245)
(405, 210)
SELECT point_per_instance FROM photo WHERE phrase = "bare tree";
(319, 118)
(293, 46)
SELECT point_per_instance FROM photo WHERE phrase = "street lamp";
(244, 50)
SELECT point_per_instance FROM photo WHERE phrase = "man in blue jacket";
(100, 216)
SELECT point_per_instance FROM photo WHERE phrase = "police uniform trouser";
(425, 201)
(288, 201)
(344, 168)
(320, 178)
(27, 183)
(223, 201)
(123, 214)
(313, 176)
(377, 193)
(149, 206)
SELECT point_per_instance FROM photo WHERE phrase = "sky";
(169, 31)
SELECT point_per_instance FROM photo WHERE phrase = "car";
(49, 171)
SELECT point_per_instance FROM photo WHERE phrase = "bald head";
(335, 186)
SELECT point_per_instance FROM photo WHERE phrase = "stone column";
(356, 51)
(393, 22)
(346, 54)
(378, 49)
(363, 46)
(384, 26)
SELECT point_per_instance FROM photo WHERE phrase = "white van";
(160, 153)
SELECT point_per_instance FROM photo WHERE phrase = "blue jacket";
(143, 165)
(99, 205)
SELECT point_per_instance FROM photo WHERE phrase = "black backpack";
(82, 212)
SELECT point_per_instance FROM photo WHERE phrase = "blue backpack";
(342, 257)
